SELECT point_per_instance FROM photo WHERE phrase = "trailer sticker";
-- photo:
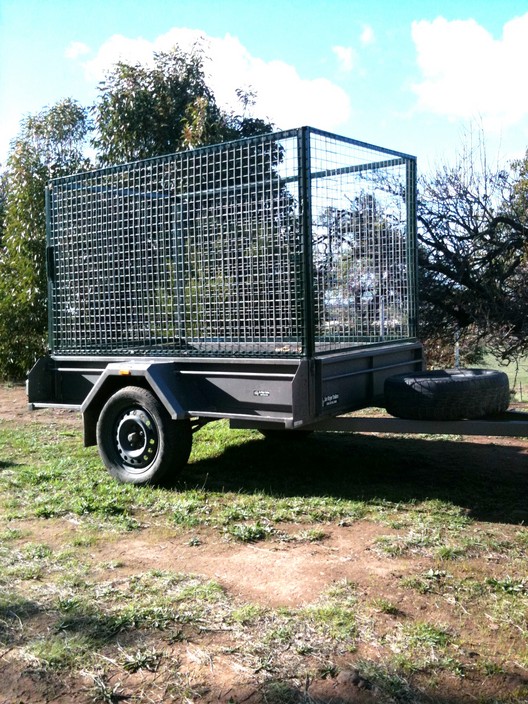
(330, 400)
(261, 393)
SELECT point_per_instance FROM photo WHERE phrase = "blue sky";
(418, 77)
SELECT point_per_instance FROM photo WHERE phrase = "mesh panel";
(197, 254)
(363, 249)
(231, 251)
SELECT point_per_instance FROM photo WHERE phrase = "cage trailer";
(270, 281)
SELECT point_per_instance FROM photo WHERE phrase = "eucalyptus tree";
(49, 144)
(150, 110)
(142, 111)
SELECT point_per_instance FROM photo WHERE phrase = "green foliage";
(248, 533)
(3, 204)
(57, 136)
(49, 144)
(146, 111)
(22, 264)
(142, 111)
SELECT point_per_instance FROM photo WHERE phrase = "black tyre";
(448, 394)
(138, 441)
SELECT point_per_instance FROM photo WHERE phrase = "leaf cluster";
(146, 111)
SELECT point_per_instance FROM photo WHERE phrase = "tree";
(3, 204)
(147, 111)
(49, 144)
(472, 255)
(142, 112)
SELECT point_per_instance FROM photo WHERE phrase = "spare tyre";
(447, 394)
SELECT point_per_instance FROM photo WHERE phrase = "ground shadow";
(489, 480)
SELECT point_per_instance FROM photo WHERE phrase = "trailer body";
(270, 281)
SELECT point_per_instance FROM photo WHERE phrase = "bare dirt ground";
(287, 574)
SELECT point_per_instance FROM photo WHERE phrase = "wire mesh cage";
(285, 244)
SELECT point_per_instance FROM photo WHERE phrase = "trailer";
(270, 281)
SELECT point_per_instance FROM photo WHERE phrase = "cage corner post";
(304, 139)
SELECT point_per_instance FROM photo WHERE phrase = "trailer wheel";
(138, 441)
(447, 394)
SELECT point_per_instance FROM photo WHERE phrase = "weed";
(420, 634)
(280, 634)
(508, 585)
(36, 551)
(391, 684)
(142, 659)
(61, 651)
(490, 668)
(312, 535)
(329, 670)
(247, 614)
(10, 534)
(338, 622)
(447, 552)
(25, 572)
(426, 582)
(111, 565)
(385, 606)
(249, 533)
(279, 692)
(102, 692)
(85, 540)
(419, 645)
(336, 616)
(209, 591)
(343, 591)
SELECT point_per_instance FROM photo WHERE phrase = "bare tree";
(472, 254)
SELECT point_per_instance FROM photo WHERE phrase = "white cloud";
(283, 96)
(76, 49)
(467, 73)
(346, 57)
(367, 35)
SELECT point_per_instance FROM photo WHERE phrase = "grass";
(450, 544)
(517, 375)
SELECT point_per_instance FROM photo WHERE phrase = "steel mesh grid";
(362, 244)
(198, 253)
(202, 253)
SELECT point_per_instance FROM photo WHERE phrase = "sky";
(424, 78)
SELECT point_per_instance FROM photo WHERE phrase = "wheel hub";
(136, 438)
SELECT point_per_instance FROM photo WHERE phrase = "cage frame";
(304, 175)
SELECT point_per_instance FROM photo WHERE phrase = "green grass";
(67, 614)
(517, 375)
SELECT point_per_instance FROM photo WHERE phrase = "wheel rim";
(137, 439)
